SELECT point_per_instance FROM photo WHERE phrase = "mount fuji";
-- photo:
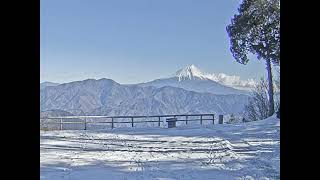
(192, 78)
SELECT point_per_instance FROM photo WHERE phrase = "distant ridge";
(47, 84)
(107, 97)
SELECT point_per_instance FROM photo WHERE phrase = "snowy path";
(238, 151)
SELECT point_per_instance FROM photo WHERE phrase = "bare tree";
(258, 106)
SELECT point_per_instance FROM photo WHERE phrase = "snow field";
(228, 151)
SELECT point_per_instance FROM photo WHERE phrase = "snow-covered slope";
(106, 97)
(192, 79)
(232, 81)
(189, 73)
(238, 151)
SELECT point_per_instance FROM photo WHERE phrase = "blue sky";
(133, 41)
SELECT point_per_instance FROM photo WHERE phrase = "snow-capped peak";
(190, 72)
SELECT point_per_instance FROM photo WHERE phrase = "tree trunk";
(270, 89)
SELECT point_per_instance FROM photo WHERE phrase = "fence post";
(111, 123)
(201, 119)
(85, 123)
(61, 124)
(212, 118)
(159, 121)
(132, 121)
(186, 119)
(220, 119)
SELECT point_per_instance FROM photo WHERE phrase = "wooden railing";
(58, 122)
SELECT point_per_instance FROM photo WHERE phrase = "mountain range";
(189, 91)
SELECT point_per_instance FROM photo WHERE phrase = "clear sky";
(133, 41)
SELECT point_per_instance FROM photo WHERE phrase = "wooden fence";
(82, 122)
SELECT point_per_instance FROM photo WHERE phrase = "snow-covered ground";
(227, 151)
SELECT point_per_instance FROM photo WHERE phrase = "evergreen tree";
(256, 30)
